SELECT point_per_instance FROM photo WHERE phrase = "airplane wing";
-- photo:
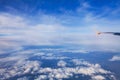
(113, 33)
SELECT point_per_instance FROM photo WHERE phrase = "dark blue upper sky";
(32, 7)
(73, 12)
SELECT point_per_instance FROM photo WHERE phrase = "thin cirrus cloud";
(19, 29)
(68, 28)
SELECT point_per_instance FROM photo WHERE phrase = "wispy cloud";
(115, 58)
(50, 31)
(45, 29)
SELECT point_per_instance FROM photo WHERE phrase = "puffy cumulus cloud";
(61, 63)
(115, 58)
(77, 61)
(42, 77)
(93, 70)
(48, 55)
(98, 77)
(19, 68)
(20, 64)
(17, 64)
(82, 62)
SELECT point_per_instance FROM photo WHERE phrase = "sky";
(59, 22)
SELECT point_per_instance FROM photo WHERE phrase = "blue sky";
(72, 10)
(56, 6)
(59, 22)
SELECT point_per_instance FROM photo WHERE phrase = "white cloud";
(71, 50)
(115, 58)
(8, 45)
(76, 61)
(23, 31)
(22, 65)
(13, 58)
(10, 21)
(23, 78)
(67, 72)
(54, 57)
(98, 77)
(61, 63)
(42, 77)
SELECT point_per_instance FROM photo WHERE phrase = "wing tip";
(98, 33)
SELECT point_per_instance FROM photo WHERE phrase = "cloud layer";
(22, 63)
(49, 30)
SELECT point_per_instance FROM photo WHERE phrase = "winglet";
(98, 33)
